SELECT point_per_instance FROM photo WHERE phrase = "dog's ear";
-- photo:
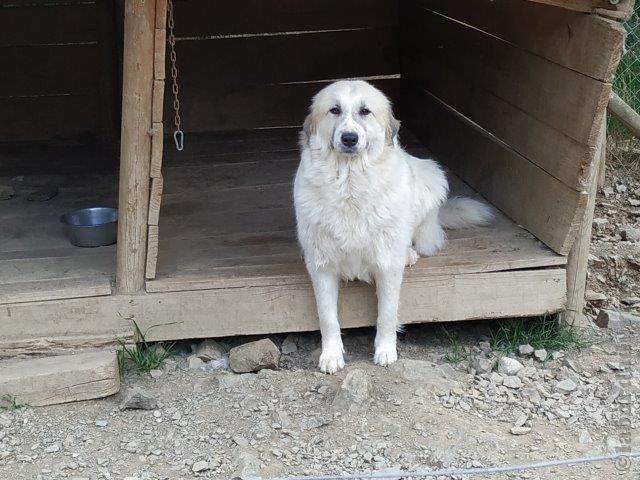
(393, 125)
(308, 128)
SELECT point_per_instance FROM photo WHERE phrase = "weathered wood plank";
(152, 252)
(43, 118)
(161, 13)
(160, 44)
(568, 101)
(579, 256)
(40, 290)
(511, 182)
(157, 146)
(155, 200)
(49, 69)
(60, 379)
(269, 309)
(588, 44)
(238, 107)
(205, 64)
(158, 101)
(41, 24)
(196, 18)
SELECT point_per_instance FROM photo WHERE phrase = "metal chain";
(178, 134)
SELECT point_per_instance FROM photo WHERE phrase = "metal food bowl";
(91, 227)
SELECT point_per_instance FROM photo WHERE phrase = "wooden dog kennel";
(510, 95)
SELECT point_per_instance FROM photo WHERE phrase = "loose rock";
(208, 350)
(540, 355)
(254, 356)
(194, 362)
(566, 386)
(509, 366)
(354, 391)
(512, 381)
(289, 345)
(520, 430)
(525, 350)
(630, 234)
(139, 399)
(200, 466)
(484, 365)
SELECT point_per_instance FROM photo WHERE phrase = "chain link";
(178, 134)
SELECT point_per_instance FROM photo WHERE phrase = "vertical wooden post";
(578, 259)
(135, 152)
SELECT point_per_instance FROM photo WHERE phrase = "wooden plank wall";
(513, 107)
(53, 59)
(255, 64)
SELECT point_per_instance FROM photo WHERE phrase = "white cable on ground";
(622, 462)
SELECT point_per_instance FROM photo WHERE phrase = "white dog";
(365, 208)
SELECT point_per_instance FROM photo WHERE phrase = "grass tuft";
(9, 402)
(144, 356)
(547, 331)
(456, 353)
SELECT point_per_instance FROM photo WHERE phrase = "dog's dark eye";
(336, 110)
(364, 111)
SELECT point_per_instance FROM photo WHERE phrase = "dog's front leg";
(388, 282)
(325, 287)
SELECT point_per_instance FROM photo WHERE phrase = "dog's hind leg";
(388, 283)
(429, 237)
(325, 287)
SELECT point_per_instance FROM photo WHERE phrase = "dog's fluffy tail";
(459, 212)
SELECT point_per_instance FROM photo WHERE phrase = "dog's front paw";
(385, 355)
(331, 360)
(412, 257)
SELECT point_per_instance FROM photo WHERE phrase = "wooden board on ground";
(60, 379)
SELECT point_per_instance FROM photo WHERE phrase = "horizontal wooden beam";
(280, 308)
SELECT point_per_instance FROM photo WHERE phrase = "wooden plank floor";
(37, 262)
(227, 220)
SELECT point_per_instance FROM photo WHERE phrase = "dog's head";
(350, 117)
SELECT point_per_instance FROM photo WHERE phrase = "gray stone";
(424, 373)
(540, 354)
(254, 356)
(200, 466)
(585, 437)
(592, 296)
(511, 381)
(138, 399)
(566, 386)
(155, 373)
(194, 362)
(607, 192)
(485, 346)
(208, 350)
(630, 234)
(616, 320)
(520, 430)
(509, 366)
(484, 365)
(101, 423)
(525, 350)
(289, 345)
(247, 466)
(354, 392)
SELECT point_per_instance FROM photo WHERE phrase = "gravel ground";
(420, 413)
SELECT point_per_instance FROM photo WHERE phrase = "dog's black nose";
(349, 139)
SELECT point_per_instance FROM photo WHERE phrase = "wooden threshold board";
(234, 225)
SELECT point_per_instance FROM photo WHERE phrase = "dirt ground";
(423, 412)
